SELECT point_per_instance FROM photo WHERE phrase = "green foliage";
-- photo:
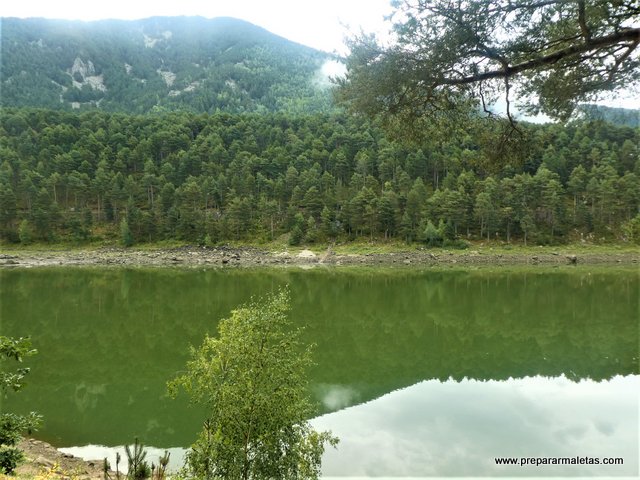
(252, 378)
(298, 230)
(12, 426)
(160, 472)
(207, 242)
(136, 179)
(17, 350)
(25, 234)
(137, 467)
(631, 229)
(126, 237)
(432, 236)
(10, 458)
(451, 60)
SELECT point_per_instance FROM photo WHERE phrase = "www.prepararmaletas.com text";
(577, 460)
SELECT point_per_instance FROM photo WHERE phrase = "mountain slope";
(175, 63)
(620, 116)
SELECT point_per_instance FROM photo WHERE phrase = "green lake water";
(420, 372)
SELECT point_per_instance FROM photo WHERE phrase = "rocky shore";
(45, 461)
(196, 256)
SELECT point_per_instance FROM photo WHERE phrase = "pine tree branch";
(632, 35)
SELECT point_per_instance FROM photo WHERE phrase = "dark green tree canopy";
(446, 54)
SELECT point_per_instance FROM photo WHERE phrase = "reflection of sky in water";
(457, 429)
(336, 397)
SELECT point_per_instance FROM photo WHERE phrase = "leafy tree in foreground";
(252, 378)
(456, 57)
(12, 425)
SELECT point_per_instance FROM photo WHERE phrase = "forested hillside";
(213, 178)
(619, 116)
(209, 130)
(156, 64)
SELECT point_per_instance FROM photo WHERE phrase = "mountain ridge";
(167, 63)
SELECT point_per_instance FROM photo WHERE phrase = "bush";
(10, 457)
(456, 244)
(432, 236)
(12, 425)
(296, 235)
(125, 233)
(631, 230)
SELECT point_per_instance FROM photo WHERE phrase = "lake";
(421, 373)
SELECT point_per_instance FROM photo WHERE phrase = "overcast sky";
(319, 24)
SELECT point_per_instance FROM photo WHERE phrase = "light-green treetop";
(252, 378)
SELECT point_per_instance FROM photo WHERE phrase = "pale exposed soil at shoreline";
(43, 461)
(194, 256)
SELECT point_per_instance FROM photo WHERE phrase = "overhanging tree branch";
(464, 54)
(631, 35)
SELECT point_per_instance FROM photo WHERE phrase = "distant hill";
(620, 116)
(160, 63)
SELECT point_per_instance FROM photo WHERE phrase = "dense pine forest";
(215, 130)
(315, 178)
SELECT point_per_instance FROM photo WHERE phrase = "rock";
(306, 254)
(407, 262)
(44, 462)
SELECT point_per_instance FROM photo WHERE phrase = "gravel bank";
(224, 257)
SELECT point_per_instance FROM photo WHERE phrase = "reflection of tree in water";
(86, 397)
(109, 339)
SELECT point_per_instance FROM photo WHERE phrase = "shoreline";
(249, 256)
(43, 460)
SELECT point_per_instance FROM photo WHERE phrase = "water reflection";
(457, 428)
(109, 339)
